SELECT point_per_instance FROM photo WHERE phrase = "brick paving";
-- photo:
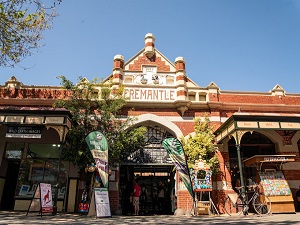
(33, 218)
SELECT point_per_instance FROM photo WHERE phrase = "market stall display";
(272, 180)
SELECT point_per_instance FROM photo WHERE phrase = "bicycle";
(260, 202)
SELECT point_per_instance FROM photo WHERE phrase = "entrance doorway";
(252, 143)
(152, 178)
(7, 201)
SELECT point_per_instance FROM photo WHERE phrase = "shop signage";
(98, 146)
(55, 120)
(34, 119)
(269, 125)
(290, 125)
(275, 159)
(247, 124)
(24, 132)
(176, 153)
(14, 119)
(150, 94)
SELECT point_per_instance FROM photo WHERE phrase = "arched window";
(252, 143)
(153, 152)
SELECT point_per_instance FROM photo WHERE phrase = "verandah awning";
(257, 121)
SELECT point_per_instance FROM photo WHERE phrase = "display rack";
(272, 180)
(202, 188)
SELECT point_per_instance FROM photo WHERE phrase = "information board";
(102, 202)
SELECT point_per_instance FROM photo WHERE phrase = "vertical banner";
(99, 148)
(46, 198)
(176, 153)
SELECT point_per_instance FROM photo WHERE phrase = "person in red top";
(136, 197)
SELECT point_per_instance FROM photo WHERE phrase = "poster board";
(42, 200)
(102, 202)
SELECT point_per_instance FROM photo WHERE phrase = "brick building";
(166, 101)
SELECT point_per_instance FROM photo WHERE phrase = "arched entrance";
(252, 143)
(153, 169)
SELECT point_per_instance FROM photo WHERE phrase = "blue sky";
(241, 45)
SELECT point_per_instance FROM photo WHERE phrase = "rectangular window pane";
(44, 151)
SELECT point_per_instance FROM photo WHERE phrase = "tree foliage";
(201, 144)
(21, 25)
(94, 106)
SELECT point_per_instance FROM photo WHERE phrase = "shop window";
(42, 165)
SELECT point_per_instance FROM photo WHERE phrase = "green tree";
(95, 106)
(201, 144)
(21, 25)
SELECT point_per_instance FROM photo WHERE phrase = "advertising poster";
(46, 198)
(99, 148)
(176, 153)
(102, 202)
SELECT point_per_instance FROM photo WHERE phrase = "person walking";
(161, 198)
(136, 197)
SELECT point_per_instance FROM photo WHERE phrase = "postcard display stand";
(273, 182)
(202, 188)
(277, 189)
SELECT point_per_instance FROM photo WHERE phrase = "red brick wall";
(258, 99)
(143, 60)
(114, 200)
(184, 200)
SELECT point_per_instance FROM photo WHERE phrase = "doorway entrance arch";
(151, 166)
(252, 143)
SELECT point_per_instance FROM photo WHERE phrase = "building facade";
(166, 101)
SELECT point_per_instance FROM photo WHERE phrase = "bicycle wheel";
(232, 206)
(261, 204)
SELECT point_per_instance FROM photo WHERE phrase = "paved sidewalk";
(21, 218)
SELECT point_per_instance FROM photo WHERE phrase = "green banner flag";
(99, 148)
(176, 153)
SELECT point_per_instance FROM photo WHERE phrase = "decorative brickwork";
(33, 93)
(118, 64)
(118, 76)
(143, 60)
(286, 135)
(178, 78)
